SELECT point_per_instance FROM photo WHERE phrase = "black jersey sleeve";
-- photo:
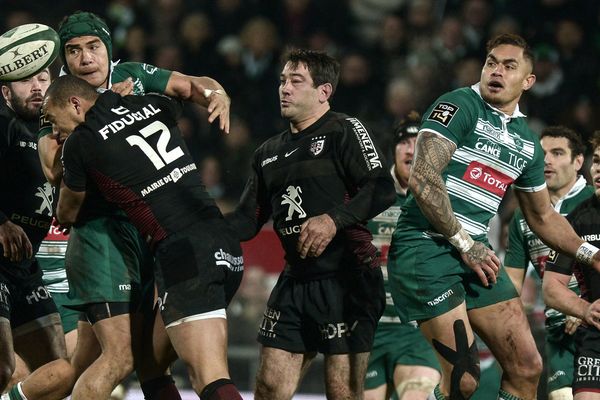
(364, 169)
(254, 208)
(74, 176)
(560, 263)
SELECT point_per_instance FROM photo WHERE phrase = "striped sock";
(436, 394)
(504, 395)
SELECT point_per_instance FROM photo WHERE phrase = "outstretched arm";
(204, 91)
(432, 155)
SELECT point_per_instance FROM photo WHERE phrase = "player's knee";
(529, 367)
(267, 388)
(468, 385)
(565, 393)
(417, 384)
(340, 389)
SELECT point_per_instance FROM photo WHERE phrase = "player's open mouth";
(495, 85)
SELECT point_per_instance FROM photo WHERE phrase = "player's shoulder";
(134, 69)
(461, 97)
(586, 211)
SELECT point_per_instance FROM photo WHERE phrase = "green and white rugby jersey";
(51, 256)
(493, 151)
(524, 246)
(382, 226)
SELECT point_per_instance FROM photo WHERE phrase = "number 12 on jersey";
(161, 156)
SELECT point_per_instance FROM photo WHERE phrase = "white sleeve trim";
(440, 135)
(530, 189)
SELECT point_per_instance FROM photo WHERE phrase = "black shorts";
(335, 315)
(23, 296)
(197, 270)
(586, 377)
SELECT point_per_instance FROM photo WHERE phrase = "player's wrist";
(209, 92)
(585, 253)
(462, 241)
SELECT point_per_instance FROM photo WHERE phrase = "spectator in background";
(196, 43)
(357, 92)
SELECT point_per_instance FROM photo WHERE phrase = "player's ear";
(75, 102)
(325, 91)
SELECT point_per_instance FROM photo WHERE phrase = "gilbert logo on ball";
(26, 50)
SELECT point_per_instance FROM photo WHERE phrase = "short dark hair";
(68, 85)
(575, 141)
(595, 140)
(513, 40)
(322, 67)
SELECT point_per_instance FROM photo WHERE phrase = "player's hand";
(123, 88)
(15, 242)
(571, 324)
(219, 105)
(483, 261)
(592, 314)
(315, 235)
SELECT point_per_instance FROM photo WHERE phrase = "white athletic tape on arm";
(462, 241)
(585, 253)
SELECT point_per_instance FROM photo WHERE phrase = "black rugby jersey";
(26, 198)
(131, 148)
(331, 167)
(585, 220)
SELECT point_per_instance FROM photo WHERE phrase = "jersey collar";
(517, 113)
(399, 188)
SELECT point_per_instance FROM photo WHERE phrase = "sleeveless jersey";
(493, 151)
(524, 246)
(131, 148)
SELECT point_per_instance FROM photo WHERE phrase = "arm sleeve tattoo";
(432, 156)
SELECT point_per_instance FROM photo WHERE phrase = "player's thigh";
(504, 328)
(40, 341)
(7, 355)
(451, 336)
(87, 349)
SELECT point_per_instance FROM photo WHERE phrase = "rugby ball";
(26, 50)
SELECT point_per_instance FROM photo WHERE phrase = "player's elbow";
(66, 217)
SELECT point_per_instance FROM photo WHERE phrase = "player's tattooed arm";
(432, 155)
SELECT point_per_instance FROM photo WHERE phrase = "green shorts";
(107, 261)
(560, 351)
(428, 278)
(68, 316)
(397, 344)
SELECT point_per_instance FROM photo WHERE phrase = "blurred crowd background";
(395, 55)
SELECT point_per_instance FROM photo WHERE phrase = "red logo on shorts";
(487, 178)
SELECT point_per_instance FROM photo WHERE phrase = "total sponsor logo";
(225, 259)
(487, 178)
(440, 298)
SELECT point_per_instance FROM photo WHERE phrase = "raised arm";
(49, 151)
(432, 155)
(204, 91)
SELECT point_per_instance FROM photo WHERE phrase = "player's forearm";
(372, 199)
(558, 296)
(49, 152)
(427, 186)
(556, 232)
